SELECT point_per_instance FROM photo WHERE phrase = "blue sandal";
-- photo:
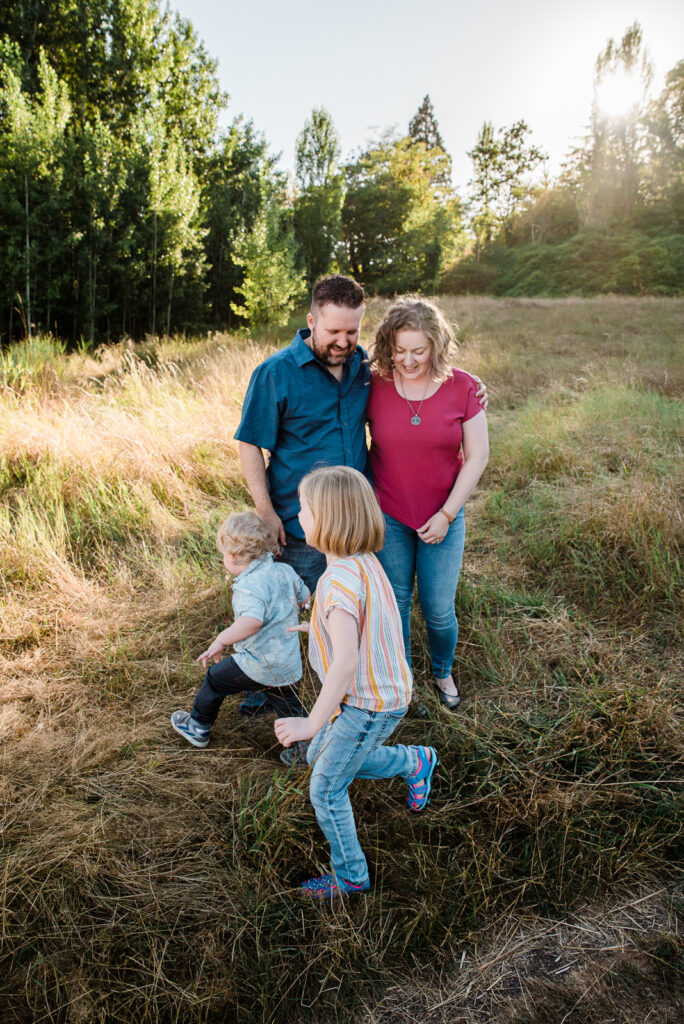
(420, 784)
(327, 887)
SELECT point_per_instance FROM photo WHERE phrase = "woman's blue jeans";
(351, 747)
(406, 557)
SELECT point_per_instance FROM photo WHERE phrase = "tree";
(237, 177)
(609, 167)
(320, 194)
(501, 158)
(423, 129)
(399, 226)
(32, 164)
(106, 209)
(664, 122)
(271, 284)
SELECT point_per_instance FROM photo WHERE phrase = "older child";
(265, 657)
(356, 647)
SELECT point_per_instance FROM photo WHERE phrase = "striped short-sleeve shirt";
(358, 585)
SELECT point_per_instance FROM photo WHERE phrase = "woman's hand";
(435, 530)
(292, 730)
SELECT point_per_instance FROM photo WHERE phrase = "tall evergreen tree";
(424, 130)
(423, 126)
(123, 236)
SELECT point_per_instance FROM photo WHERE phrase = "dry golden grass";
(143, 881)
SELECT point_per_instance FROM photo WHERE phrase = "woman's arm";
(475, 458)
(344, 637)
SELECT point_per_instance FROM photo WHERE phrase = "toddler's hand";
(303, 627)
(290, 730)
(213, 652)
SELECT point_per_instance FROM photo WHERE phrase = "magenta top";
(415, 467)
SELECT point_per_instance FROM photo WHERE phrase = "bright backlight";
(617, 94)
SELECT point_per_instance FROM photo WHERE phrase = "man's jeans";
(349, 748)
(306, 561)
(404, 557)
(226, 677)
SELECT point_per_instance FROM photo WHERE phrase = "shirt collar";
(254, 564)
(300, 350)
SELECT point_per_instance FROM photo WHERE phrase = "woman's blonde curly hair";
(414, 313)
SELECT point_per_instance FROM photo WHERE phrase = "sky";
(371, 62)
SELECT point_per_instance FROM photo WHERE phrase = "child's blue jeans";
(351, 747)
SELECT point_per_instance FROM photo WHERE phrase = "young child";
(266, 596)
(357, 649)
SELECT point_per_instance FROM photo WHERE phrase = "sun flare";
(618, 94)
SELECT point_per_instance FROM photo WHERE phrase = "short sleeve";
(260, 420)
(245, 602)
(472, 403)
(343, 590)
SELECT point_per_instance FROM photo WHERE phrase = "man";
(306, 405)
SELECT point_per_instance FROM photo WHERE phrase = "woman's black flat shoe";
(449, 700)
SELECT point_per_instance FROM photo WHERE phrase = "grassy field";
(143, 881)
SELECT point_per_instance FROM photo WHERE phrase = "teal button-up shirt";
(300, 413)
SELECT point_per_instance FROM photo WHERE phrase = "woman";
(429, 448)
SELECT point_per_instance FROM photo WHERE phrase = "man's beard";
(323, 355)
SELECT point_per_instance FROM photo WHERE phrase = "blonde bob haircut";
(346, 514)
(244, 537)
(414, 313)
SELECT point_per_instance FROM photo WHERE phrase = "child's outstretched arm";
(303, 594)
(243, 627)
(344, 636)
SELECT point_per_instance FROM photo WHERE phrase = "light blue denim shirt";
(269, 591)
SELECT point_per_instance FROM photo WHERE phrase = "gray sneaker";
(295, 756)
(191, 730)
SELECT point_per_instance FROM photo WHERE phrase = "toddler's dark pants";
(226, 677)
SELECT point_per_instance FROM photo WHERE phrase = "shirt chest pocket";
(312, 415)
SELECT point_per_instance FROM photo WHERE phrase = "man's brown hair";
(338, 289)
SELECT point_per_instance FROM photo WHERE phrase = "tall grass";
(143, 881)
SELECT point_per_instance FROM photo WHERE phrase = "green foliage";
(318, 204)
(400, 225)
(608, 169)
(664, 172)
(238, 175)
(272, 285)
(109, 117)
(589, 263)
(423, 126)
(501, 160)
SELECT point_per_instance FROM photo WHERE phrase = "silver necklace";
(415, 419)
